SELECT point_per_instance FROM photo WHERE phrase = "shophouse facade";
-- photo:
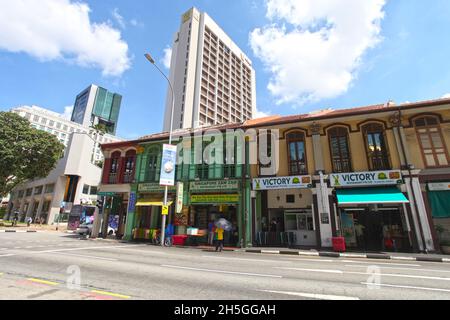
(367, 174)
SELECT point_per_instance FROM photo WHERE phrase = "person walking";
(219, 239)
(29, 220)
(211, 232)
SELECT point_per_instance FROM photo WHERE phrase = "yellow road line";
(111, 294)
(51, 283)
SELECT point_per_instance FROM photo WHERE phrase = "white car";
(86, 230)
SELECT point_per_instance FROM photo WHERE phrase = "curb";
(18, 231)
(347, 255)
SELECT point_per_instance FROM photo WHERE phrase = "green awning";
(370, 196)
(440, 203)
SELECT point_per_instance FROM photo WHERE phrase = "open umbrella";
(224, 224)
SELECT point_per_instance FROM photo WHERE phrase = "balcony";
(128, 177)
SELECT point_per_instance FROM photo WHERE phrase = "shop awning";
(144, 203)
(440, 203)
(370, 196)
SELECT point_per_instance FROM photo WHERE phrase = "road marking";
(309, 260)
(394, 268)
(84, 256)
(242, 259)
(382, 263)
(223, 271)
(63, 250)
(270, 251)
(312, 295)
(17, 247)
(51, 283)
(312, 270)
(106, 293)
(406, 287)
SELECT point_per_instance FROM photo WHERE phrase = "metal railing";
(272, 239)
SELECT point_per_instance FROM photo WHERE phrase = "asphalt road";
(61, 266)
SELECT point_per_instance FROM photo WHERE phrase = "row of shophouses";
(379, 176)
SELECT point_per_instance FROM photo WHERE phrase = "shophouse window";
(114, 169)
(130, 160)
(85, 189)
(38, 190)
(152, 172)
(93, 191)
(376, 147)
(339, 149)
(296, 153)
(21, 194)
(268, 150)
(431, 142)
(29, 192)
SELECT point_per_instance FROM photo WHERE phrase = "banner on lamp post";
(179, 203)
(169, 159)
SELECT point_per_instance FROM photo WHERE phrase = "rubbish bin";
(339, 244)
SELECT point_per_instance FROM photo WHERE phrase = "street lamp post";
(166, 188)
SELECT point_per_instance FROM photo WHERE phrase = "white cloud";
(167, 57)
(261, 114)
(313, 48)
(446, 96)
(119, 19)
(62, 30)
(136, 23)
(68, 112)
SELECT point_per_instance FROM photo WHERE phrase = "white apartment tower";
(214, 81)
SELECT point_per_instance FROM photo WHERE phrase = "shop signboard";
(165, 210)
(106, 194)
(214, 198)
(152, 188)
(439, 186)
(132, 202)
(179, 203)
(293, 182)
(169, 159)
(388, 177)
(215, 185)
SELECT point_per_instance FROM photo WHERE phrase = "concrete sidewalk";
(353, 255)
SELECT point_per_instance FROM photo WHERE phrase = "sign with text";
(294, 182)
(439, 186)
(132, 202)
(214, 198)
(366, 178)
(200, 186)
(169, 159)
(165, 210)
(179, 203)
(153, 187)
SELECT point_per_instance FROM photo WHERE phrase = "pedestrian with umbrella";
(221, 225)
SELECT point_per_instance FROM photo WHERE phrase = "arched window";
(152, 165)
(296, 153)
(431, 142)
(376, 147)
(339, 149)
(114, 170)
(130, 161)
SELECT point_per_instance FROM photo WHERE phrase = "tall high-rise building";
(214, 81)
(96, 105)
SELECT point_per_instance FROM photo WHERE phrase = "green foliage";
(2, 212)
(100, 128)
(25, 153)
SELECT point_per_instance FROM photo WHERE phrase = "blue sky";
(399, 51)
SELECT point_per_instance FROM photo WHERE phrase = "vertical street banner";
(179, 204)
(169, 159)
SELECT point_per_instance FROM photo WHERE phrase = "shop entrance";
(375, 229)
(202, 215)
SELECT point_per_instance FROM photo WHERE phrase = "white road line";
(400, 276)
(62, 250)
(312, 295)
(17, 247)
(406, 287)
(84, 256)
(309, 260)
(312, 270)
(381, 263)
(396, 268)
(242, 259)
(222, 271)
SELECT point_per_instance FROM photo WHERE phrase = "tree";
(25, 153)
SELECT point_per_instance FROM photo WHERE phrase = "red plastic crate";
(179, 240)
(339, 244)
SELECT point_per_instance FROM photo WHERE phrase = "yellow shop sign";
(214, 198)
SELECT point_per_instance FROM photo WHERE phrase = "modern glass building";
(96, 105)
